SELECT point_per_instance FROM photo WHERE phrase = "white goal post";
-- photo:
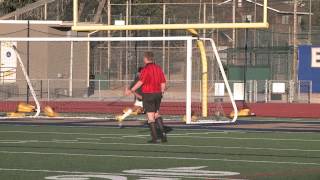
(188, 40)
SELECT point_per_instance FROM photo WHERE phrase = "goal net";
(85, 77)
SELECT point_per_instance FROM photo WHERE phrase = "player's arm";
(163, 87)
(134, 88)
(163, 83)
(137, 95)
(138, 83)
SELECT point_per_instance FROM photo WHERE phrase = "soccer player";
(153, 82)
(138, 93)
(138, 104)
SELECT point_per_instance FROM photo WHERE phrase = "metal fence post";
(255, 91)
(250, 91)
(291, 91)
(99, 89)
(48, 89)
(266, 92)
(310, 92)
(299, 89)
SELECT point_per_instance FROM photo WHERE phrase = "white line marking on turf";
(161, 145)
(89, 139)
(185, 135)
(235, 138)
(172, 134)
(161, 157)
(63, 133)
(64, 140)
(94, 134)
(98, 173)
(111, 137)
(136, 136)
(187, 132)
(17, 141)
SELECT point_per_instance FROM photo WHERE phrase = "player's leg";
(153, 128)
(158, 118)
(138, 107)
(149, 107)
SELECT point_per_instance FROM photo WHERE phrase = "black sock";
(159, 122)
(153, 132)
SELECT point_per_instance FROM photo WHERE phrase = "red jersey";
(152, 77)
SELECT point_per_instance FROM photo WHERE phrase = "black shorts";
(151, 102)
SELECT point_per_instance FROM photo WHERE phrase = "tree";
(12, 5)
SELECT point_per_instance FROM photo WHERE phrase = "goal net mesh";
(88, 78)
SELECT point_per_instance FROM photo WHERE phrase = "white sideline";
(161, 145)
(97, 134)
(184, 135)
(162, 157)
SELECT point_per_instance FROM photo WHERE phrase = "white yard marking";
(161, 157)
(80, 175)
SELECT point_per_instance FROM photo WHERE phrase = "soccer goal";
(85, 77)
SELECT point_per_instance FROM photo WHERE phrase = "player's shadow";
(167, 129)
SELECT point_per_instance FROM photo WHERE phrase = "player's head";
(139, 70)
(148, 57)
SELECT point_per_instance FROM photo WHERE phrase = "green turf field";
(88, 153)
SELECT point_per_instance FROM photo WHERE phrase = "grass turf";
(39, 152)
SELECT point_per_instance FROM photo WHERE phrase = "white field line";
(184, 135)
(235, 138)
(162, 145)
(63, 133)
(137, 136)
(112, 137)
(89, 139)
(94, 134)
(17, 141)
(64, 140)
(100, 173)
(162, 157)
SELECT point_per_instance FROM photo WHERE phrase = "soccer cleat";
(119, 118)
(127, 112)
(153, 142)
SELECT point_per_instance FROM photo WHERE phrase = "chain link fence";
(108, 90)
